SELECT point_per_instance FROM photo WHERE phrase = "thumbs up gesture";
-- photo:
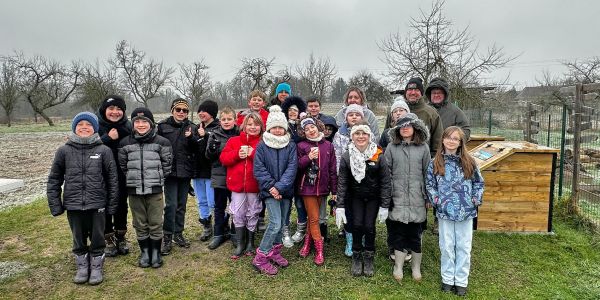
(201, 131)
(188, 132)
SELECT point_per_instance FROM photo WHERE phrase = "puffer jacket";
(216, 143)
(123, 128)
(89, 174)
(327, 176)
(203, 164)
(408, 167)
(376, 185)
(240, 175)
(454, 197)
(276, 168)
(183, 164)
(146, 162)
(449, 113)
(369, 117)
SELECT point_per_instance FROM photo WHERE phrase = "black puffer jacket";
(123, 128)
(183, 164)
(89, 174)
(216, 143)
(203, 164)
(376, 185)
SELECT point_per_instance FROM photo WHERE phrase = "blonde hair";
(257, 120)
(466, 160)
(227, 110)
(257, 93)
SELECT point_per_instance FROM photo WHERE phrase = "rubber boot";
(155, 253)
(216, 241)
(83, 268)
(305, 250)
(262, 264)
(144, 261)
(96, 268)
(241, 235)
(319, 255)
(167, 244)
(300, 232)
(348, 249)
(207, 232)
(276, 256)
(249, 251)
(357, 264)
(369, 268)
(324, 232)
(287, 239)
(111, 245)
(121, 241)
(398, 264)
(415, 264)
(232, 236)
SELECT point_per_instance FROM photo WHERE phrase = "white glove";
(340, 217)
(383, 214)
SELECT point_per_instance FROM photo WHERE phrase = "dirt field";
(27, 156)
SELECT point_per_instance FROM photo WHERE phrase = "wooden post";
(528, 122)
(574, 207)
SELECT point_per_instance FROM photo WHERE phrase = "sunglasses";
(184, 110)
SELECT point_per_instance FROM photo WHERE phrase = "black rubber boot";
(357, 263)
(144, 261)
(324, 232)
(216, 241)
(155, 245)
(368, 257)
(241, 235)
(207, 232)
(250, 248)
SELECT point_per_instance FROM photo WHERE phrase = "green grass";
(565, 265)
(59, 126)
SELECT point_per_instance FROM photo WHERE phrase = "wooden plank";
(520, 157)
(502, 184)
(532, 196)
(489, 225)
(521, 177)
(529, 166)
(517, 206)
(513, 216)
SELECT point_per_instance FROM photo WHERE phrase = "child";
(363, 183)
(256, 104)
(398, 109)
(292, 107)
(316, 179)
(88, 171)
(238, 158)
(275, 164)
(455, 187)
(407, 157)
(145, 157)
(216, 142)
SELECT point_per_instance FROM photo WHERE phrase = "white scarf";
(317, 139)
(358, 160)
(274, 141)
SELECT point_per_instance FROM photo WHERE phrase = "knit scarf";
(84, 140)
(274, 141)
(146, 136)
(317, 139)
(358, 160)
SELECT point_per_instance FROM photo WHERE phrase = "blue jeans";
(300, 209)
(455, 248)
(277, 211)
(205, 196)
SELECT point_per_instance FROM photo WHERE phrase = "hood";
(419, 127)
(293, 100)
(438, 83)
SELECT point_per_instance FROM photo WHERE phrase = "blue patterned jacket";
(454, 197)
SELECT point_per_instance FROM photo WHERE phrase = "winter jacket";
(431, 119)
(183, 163)
(369, 117)
(203, 164)
(215, 144)
(454, 197)
(341, 140)
(276, 168)
(408, 163)
(449, 113)
(146, 162)
(89, 174)
(327, 176)
(240, 175)
(242, 114)
(376, 185)
(385, 139)
(124, 128)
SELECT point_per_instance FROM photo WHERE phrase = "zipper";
(318, 165)
(142, 165)
(245, 165)
(83, 153)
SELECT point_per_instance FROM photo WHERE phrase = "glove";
(340, 217)
(383, 214)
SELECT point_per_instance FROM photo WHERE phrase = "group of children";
(274, 158)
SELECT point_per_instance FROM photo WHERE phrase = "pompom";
(275, 109)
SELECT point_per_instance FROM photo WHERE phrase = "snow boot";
(207, 232)
(276, 256)
(357, 264)
(369, 268)
(96, 268)
(398, 265)
(262, 264)
(83, 268)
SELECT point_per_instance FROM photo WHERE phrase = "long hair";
(361, 94)
(318, 123)
(257, 120)
(466, 160)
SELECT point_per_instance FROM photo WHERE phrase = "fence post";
(548, 137)
(561, 170)
(576, 148)
(490, 122)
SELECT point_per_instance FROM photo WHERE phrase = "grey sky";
(544, 32)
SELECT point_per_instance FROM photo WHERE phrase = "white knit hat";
(276, 118)
(354, 108)
(399, 103)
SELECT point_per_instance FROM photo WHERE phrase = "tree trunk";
(43, 115)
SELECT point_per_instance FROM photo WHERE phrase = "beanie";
(179, 101)
(415, 83)
(112, 100)
(210, 107)
(399, 103)
(307, 121)
(406, 120)
(284, 86)
(87, 116)
(354, 108)
(276, 118)
(142, 113)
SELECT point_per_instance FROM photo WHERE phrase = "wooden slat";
(513, 196)
(516, 206)
(541, 157)
(489, 225)
(523, 177)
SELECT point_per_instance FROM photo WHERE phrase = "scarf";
(84, 140)
(317, 139)
(358, 160)
(274, 141)
(145, 137)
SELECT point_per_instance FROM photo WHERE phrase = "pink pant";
(245, 208)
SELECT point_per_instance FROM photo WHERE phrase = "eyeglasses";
(452, 139)
(184, 110)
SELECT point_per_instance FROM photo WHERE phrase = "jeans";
(277, 210)
(205, 196)
(300, 209)
(455, 247)
(176, 193)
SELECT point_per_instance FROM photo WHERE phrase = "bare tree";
(9, 89)
(144, 78)
(258, 70)
(317, 74)
(193, 82)
(46, 83)
(434, 47)
(585, 71)
(98, 81)
(374, 90)
(239, 88)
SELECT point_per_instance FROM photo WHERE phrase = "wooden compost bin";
(478, 139)
(519, 185)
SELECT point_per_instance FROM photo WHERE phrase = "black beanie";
(110, 101)
(143, 113)
(415, 83)
(210, 107)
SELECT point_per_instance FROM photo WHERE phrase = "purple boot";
(276, 256)
(262, 264)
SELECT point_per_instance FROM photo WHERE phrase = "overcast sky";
(543, 32)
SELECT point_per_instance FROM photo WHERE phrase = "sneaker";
(446, 288)
(180, 240)
(287, 240)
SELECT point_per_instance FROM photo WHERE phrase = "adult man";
(438, 94)
(355, 95)
(413, 93)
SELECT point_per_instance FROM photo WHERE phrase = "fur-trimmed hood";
(293, 100)
(418, 125)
